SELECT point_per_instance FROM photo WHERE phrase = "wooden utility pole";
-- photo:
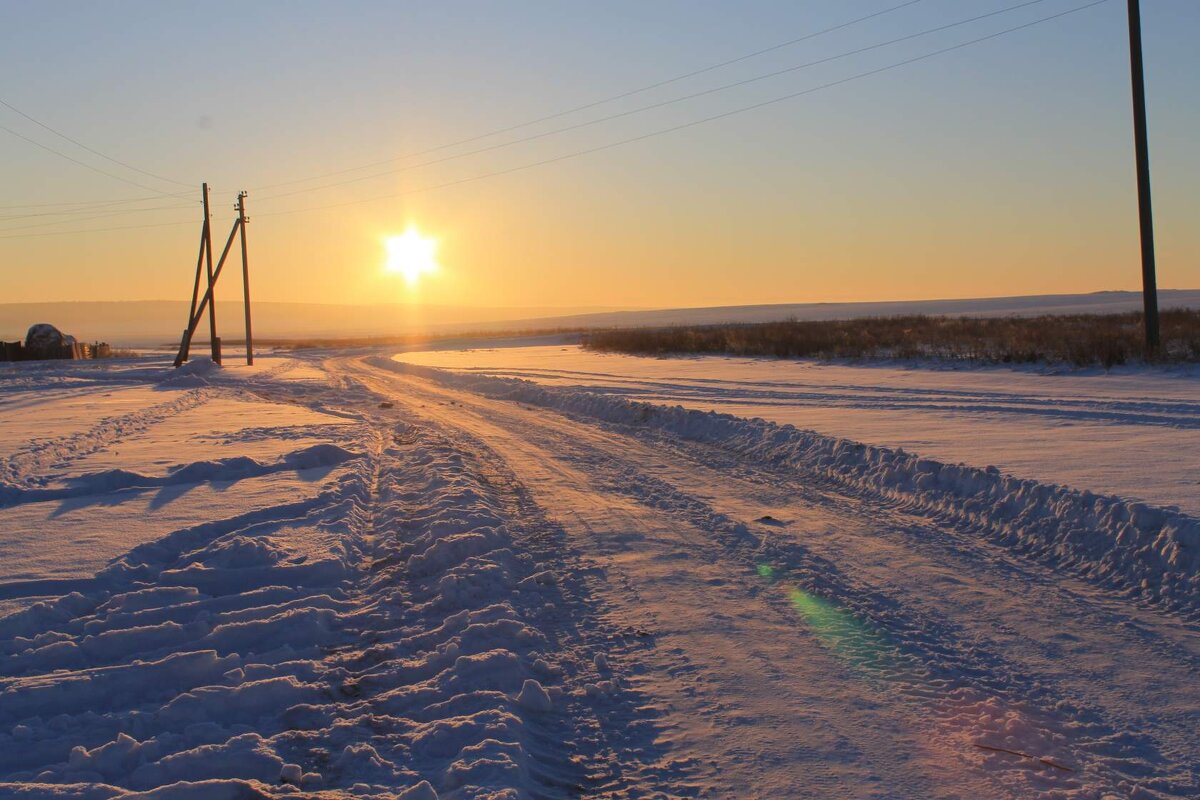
(241, 209)
(1142, 147)
(208, 262)
(207, 301)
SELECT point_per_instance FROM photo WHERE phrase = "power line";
(94, 216)
(77, 143)
(86, 165)
(87, 210)
(661, 104)
(694, 123)
(604, 101)
(97, 230)
(83, 202)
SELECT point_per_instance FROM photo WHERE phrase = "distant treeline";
(1083, 340)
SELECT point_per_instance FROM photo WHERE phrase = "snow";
(92, 471)
(340, 574)
(67, 410)
(534, 697)
(1126, 544)
(1133, 433)
(73, 538)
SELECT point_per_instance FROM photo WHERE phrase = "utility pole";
(241, 209)
(208, 262)
(206, 303)
(1142, 147)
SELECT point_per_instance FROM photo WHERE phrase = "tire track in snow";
(1107, 750)
(614, 749)
(837, 746)
(1135, 548)
(952, 674)
(1157, 412)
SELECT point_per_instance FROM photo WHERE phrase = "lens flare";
(838, 630)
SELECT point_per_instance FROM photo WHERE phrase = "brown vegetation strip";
(1103, 340)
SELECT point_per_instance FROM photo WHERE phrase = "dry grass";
(1083, 340)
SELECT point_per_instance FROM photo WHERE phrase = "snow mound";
(192, 374)
(534, 697)
(318, 455)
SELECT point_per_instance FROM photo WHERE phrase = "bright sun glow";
(411, 254)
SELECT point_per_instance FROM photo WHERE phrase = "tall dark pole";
(212, 306)
(241, 209)
(1142, 145)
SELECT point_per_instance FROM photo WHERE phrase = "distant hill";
(161, 321)
(146, 322)
(1029, 305)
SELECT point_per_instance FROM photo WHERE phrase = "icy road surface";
(373, 579)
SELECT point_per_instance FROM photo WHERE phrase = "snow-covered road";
(491, 588)
(1133, 432)
(808, 640)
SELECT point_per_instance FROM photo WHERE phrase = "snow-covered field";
(536, 572)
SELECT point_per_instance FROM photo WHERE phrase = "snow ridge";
(1136, 548)
(223, 469)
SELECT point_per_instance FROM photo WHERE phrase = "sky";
(1000, 168)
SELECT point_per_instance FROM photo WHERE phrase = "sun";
(411, 254)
